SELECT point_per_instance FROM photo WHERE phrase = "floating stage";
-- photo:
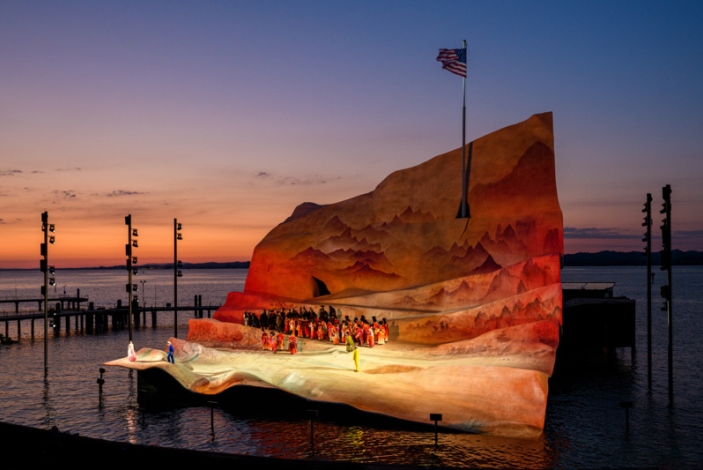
(472, 299)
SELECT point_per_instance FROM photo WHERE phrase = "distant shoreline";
(154, 266)
(632, 258)
(601, 258)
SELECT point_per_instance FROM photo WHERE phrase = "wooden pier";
(595, 322)
(67, 312)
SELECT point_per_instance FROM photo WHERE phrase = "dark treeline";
(631, 258)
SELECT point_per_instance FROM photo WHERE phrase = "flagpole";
(463, 146)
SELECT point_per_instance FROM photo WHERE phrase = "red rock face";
(405, 233)
(474, 305)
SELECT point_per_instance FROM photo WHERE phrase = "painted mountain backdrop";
(405, 233)
(473, 305)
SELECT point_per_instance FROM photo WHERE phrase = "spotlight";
(135, 233)
(134, 260)
(52, 282)
(135, 244)
(52, 240)
(52, 270)
(180, 226)
(52, 228)
(135, 271)
(179, 237)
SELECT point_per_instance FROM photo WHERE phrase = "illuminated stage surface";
(474, 304)
(498, 389)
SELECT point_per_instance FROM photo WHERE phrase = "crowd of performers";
(281, 328)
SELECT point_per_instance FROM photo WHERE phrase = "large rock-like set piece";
(474, 305)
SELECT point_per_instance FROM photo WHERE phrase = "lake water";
(585, 424)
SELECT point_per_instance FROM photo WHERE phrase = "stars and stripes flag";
(453, 60)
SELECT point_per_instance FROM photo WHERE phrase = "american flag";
(453, 60)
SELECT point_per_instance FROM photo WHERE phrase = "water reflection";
(132, 411)
(354, 436)
(48, 404)
(585, 425)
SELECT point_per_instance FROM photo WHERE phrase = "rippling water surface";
(585, 425)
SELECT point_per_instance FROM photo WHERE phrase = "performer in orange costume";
(381, 332)
(273, 341)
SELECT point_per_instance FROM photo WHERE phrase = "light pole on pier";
(666, 290)
(131, 265)
(648, 251)
(46, 269)
(176, 273)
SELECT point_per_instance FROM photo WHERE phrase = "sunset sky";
(228, 114)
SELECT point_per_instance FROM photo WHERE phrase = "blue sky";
(228, 114)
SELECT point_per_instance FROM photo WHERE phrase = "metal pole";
(45, 227)
(666, 191)
(648, 236)
(436, 417)
(212, 404)
(463, 147)
(313, 414)
(436, 433)
(671, 340)
(129, 271)
(175, 278)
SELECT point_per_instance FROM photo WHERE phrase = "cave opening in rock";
(320, 288)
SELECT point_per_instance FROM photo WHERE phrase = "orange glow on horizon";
(105, 246)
